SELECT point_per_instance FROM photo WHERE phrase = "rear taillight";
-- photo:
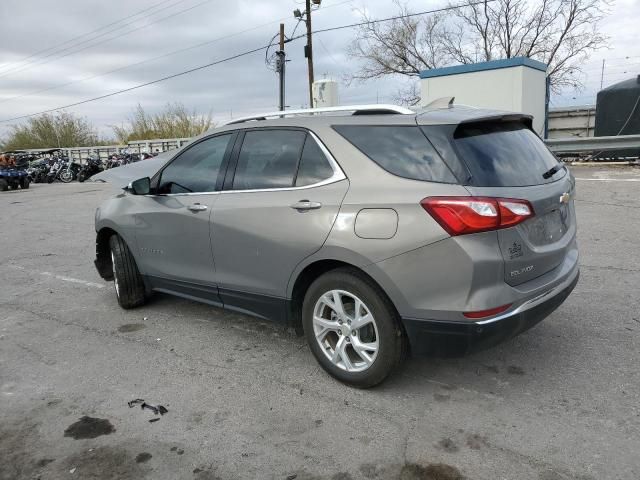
(464, 215)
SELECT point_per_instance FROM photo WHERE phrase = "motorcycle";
(56, 166)
(37, 171)
(69, 171)
(91, 167)
(115, 161)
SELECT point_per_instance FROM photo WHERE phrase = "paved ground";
(248, 401)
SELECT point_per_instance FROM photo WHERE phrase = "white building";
(515, 84)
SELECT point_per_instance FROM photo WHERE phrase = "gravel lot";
(247, 400)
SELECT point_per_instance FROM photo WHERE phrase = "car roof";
(434, 116)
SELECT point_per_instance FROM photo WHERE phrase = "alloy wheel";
(346, 330)
(115, 275)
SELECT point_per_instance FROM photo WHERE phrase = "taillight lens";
(464, 215)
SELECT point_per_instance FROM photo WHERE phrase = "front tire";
(24, 183)
(81, 176)
(352, 328)
(126, 277)
(66, 176)
(4, 185)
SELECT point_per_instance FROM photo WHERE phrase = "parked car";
(377, 232)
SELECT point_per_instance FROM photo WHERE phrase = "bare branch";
(560, 33)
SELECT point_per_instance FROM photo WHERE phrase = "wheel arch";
(307, 272)
(103, 252)
(105, 229)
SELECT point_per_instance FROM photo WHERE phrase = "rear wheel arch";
(313, 271)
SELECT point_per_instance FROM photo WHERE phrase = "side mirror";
(142, 186)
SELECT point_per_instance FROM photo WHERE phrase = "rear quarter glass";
(403, 151)
(495, 154)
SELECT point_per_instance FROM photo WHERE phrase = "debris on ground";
(157, 409)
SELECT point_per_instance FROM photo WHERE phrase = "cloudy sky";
(44, 66)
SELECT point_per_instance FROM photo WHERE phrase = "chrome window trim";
(338, 175)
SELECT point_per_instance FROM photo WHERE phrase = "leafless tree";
(560, 33)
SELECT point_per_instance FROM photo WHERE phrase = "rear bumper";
(453, 338)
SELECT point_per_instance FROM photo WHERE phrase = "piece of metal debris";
(157, 409)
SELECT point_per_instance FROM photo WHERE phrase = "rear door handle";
(196, 207)
(304, 205)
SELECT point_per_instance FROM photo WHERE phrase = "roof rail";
(356, 109)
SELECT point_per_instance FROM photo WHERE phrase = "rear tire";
(4, 185)
(81, 177)
(367, 332)
(24, 183)
(127, 280)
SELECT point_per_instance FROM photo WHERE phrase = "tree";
(560, 33)
(49, 131)
(175, 121)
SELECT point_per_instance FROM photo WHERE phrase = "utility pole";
(308, 52)
(602, 75)
(281, 66)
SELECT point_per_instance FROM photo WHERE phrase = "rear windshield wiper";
(552, 171)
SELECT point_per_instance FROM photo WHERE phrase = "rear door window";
(401, 150)
(497, 154)
(268, 159)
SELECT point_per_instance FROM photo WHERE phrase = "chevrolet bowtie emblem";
(565, 197)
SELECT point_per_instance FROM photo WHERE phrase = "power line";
(628, 66)
(87, 33)
(397, 17)
(40, 62)
(328, 53)
(168, 54)
(135, 87)
(248, 52)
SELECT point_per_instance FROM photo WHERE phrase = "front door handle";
(196, 207)
(304, 205)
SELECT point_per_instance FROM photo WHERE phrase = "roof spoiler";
(524, 118)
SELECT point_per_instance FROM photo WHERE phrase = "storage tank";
(618, 109)
(325, 93)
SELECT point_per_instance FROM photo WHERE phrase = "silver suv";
(374, 230)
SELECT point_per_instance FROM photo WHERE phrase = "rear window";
(496, 154)
(401, 150)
